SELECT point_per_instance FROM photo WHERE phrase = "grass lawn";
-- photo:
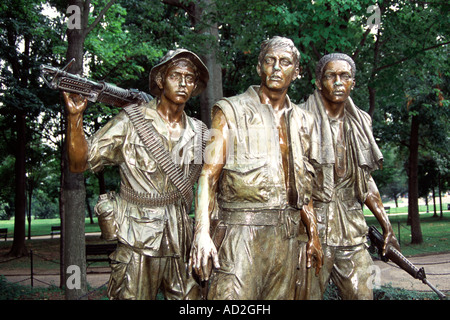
(435, 232)
(40, 227)
(46, 252)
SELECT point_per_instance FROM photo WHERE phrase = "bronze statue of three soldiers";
(278, 208)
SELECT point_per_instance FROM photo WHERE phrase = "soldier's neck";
(334, 110)
(276, 98)
(171, 113)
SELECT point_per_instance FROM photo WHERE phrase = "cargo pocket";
(145, 227)
(245, 182)
(120, 260)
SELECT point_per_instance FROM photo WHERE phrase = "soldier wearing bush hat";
(172, 57)
(149, 217)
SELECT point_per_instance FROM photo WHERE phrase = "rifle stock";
(377, 241)
(60, 79)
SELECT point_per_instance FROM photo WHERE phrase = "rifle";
(94, 91)
(377, 241)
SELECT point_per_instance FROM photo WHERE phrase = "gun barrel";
(441, 295)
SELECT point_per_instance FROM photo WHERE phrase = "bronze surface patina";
(254, 211)
(343, 153)
(149, 217)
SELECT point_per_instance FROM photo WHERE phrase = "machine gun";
(94, 91)
(377, 241)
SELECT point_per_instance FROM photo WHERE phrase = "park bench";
(387, 209)
(99, 252)
(55, 230)
(4, 233)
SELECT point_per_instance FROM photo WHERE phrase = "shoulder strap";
(148, 135)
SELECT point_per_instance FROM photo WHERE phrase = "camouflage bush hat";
(202, 70)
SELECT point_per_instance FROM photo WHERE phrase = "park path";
(437, 270)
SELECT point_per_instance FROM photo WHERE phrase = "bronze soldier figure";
(255, 187)
(344, 153)
(149, 218)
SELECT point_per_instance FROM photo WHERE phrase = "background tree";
(391, 181)
(24, 43)
(73, 196)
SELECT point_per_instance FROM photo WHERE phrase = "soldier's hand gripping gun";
(94, 91)
(377, 241)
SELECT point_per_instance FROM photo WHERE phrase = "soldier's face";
(277, 69)
(179, 83)
(337, 82)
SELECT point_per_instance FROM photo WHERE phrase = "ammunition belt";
(148, 199)
(148, 135)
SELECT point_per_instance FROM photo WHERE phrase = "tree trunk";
(62, 215)
(413, 197)
(101, 182)
(74, 236)
(30, 198)
(440, 195)
(88, 206)
(214, 90)
(372, 100)
(198, 11)
(371, 88)
(20, 73)
(19, 247)
(74, 191)
(434, 203)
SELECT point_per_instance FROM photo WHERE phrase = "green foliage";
(10, 291)
(386, 292)
(16, 291)
(391, 180)
(43, 206)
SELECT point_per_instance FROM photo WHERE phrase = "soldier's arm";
(375, 205)
(314, 248)
(203, 247)
(77, 146)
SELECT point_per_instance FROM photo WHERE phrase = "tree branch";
(85, 15)
(100, 16)
(316, 52)
(189, 8)
(407, 58)
(361, 43)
